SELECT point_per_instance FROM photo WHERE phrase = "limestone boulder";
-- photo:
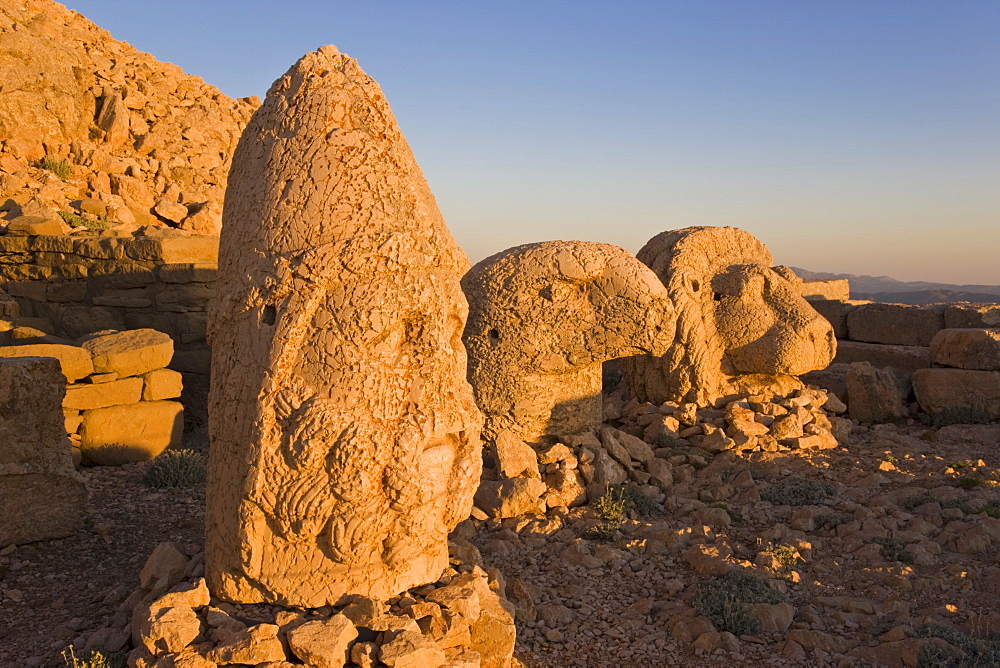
(323, 643)
(345, 436)
(162, 384)
(83, 396)
(130, 353)
(896, 324)
(873, 394)
(74, 362)
(543, 317)
(132, 433)
(976, 349)
(938, 390)
(43, 496)
(742, 325)
(972, 316)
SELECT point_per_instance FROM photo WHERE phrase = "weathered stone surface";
(325, 643)
(904, 358)
(75, 362)
(254, 645)
(345, 438)
(132, 433)
(85, 396)
(543, 317)
(941, 389)
(42, 496)
(410, 649)
(162, 384)
(513, 456)
(873, 394)
(742, 326)
(130, 353)
(977, 349)
(511, 497)
(896, 324)
(820, 289)
(975, 316)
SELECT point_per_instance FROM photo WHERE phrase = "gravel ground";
(627, 601)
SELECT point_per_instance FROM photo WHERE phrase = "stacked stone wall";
(72, 285)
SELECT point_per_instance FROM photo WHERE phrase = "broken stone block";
(74, 362)
(162, 384)
(130, 353)
(938, 390)
(511, 497)
(896, 324)
(43, 496)
(514, 457)
(825, 289)
(905, 358)
(873, 394)
(133, 433)
(323, 643)
(742, 326)
(345, 437)
(976, 349)
(85, 396)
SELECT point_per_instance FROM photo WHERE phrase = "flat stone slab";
(904, 358)
(130, 353)
(122, 434)
(895, 324)
(75, 362)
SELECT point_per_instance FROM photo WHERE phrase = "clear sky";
(858, 136)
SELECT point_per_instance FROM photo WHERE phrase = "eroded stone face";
(345, 439)
(542, 319)
(742, 325)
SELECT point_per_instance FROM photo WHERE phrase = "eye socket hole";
(717, 296)
(269, 315)
(695, 285)
(494, 336)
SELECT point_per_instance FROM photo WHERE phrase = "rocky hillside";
(95, 133)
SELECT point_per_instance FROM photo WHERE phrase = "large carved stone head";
(543, 317)
(345, 437)
(742, 325)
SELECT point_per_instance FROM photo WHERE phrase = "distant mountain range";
(886, 289)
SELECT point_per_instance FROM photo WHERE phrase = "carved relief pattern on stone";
(345, 439)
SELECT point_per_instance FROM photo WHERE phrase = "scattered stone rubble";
(460, 620)
(116, 406)
(542, 319)
(135, 141)
(42, 496)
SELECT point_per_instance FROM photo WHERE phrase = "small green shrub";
(612, 506)
(723, 600)
(733, 516)
(917, 501)
(979, 652)
(962, 504)
(892, 550)
(58, 166)
(970, 481)
(785, 555)
(992, 508)
(176, 468)
(796, 491)
(961, 415)
(831, 521)
(76, 220)
(891, 459)
(92, 658)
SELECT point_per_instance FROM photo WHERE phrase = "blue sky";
(857, 136)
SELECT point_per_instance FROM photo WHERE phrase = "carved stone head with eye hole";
(345, 437)
(542, 319)
(742, 326)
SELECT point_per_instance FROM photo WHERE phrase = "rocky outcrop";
(345, 437)
(742, 325)
(95, 133)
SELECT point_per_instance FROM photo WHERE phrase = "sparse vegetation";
(612, 507)
(970, 481)
(890, 458)
(76, 220)
(831, 521)
(92, 658)
(58, 166)
(724, 601)
(917, 501)
(733, 517)
(979, 652)
(796, 491)
(785, 555)
(961, 415)
(176, 468)
(892, 550)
